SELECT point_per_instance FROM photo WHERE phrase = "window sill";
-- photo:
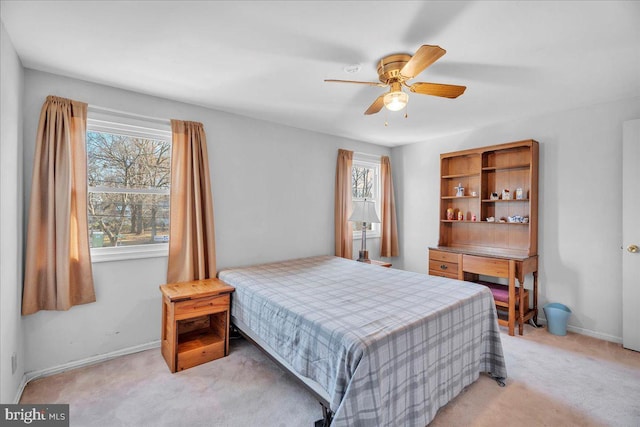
(129, 252)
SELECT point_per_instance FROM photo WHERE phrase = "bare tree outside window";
(362, 182)
(129, 180)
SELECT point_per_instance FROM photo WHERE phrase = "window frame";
(123, 124)
(372, 162)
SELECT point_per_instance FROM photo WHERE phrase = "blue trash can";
(557, 317)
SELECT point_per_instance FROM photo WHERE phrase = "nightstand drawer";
(201, 306)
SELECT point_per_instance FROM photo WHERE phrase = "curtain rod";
(360, 153)
(98, 109)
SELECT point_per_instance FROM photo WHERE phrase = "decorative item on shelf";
(493, 196)
(503, 219)
(518, 219)
(450, 214)
(519, 194)
(459, 190)
(474, 194)
(473, 217)
(491, 219)
(364, 212)
(506, 195)
(460, 216)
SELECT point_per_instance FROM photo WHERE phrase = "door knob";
(633, 249)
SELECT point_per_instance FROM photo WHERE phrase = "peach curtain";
(58, 272)
(192, 251)
(388, 226)
(342, 209)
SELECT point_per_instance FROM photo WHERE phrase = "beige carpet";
(553, 381)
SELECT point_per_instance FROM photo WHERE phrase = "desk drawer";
(440, 273)
(487, 266)
(201, 306)
(445, 269)
(443, 256)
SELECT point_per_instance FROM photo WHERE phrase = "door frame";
(630, 234)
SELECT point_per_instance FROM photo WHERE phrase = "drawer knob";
(443, 266)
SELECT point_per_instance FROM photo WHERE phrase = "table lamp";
(364, 211)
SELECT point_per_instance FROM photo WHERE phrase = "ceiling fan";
(395, 70)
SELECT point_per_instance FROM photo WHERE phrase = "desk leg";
(535, 298)
(512, 297)
(521, 308)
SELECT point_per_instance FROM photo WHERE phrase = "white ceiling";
(268, 59)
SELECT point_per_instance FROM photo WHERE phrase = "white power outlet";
(14, 363)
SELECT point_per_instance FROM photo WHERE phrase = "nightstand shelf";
(198, 339)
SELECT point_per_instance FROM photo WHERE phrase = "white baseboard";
(30, 376)
(587, 332)
(23, 384)
(594, 334)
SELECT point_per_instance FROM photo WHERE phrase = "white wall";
(273, 192)
(579, 213)
(11, 87)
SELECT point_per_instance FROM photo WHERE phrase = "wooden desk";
(466, 265)
(195, 322)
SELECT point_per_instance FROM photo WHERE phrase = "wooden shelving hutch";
(481, 172)
(483, 225)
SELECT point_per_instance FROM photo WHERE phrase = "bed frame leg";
(499, 380)
(327, 416)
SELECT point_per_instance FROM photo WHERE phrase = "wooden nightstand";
(380, 263)
(195, 322)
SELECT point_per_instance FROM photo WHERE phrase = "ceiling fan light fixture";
(396, 100)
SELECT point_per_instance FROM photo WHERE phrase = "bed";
(379, 346)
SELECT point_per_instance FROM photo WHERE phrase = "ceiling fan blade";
(376, 106)
(437, 89)
(425, 56)
(353, 81)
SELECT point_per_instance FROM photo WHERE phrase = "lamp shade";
(364, 211)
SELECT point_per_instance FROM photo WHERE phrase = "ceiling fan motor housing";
(390, 66)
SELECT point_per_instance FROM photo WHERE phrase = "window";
(365, 184)
(128, 175)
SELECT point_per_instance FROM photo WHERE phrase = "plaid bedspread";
(390, 347)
